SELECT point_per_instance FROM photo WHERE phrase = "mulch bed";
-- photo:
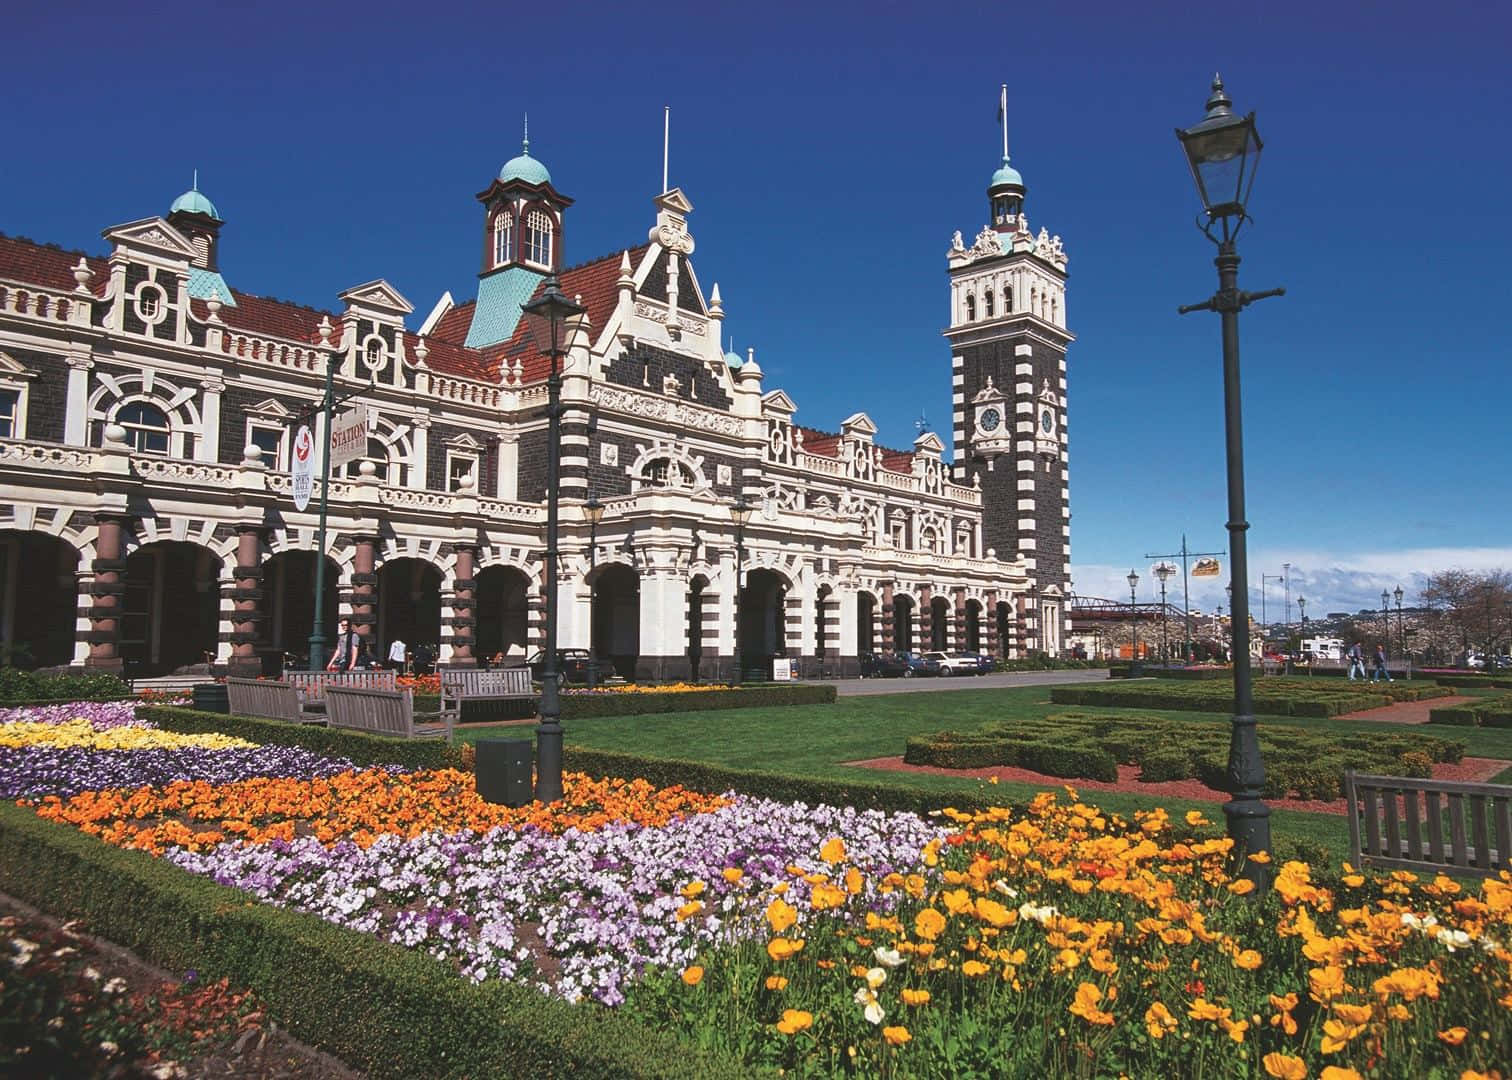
(1407, 712)
(1470, 769)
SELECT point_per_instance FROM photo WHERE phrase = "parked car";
(975, 663)
(572, 663)
(919, 664)
(882, 665)
(952, 663)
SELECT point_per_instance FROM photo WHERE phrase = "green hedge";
(1091, 746)
(384, 1009)
(1475, 682)
(1493, 712)
(634, 703)
(1276, 696)
(359, 747)
(19, 687)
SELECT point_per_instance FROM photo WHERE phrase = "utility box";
(504, 770)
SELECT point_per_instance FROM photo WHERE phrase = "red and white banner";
(302, 474)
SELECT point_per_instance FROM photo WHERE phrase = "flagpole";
(666, 140)
(1003, 116)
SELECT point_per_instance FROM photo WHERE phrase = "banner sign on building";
(302, 474)
(782, 670)
(1205, 568)
(348, 437)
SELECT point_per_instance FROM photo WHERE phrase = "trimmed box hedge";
(19, 687)
(637, 703)
(1495, 712)
(382, 1008)
(357, 746)
(1275, 696)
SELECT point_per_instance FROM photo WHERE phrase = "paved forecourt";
(995, 681)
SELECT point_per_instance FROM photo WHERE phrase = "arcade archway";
(409, 606)
(761, 619)
(903, 622)
(616, 619)
(939, 624)
(973, 626)
(866, 623)
(171, 608)
(289, 589)
(39, 600)
(503, 613)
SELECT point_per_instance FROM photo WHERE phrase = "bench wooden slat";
(1414, 830)
(1502, 809)
(1354, 818)
(495, 684)
(1435, 823)
(264, 698)
(1457, 850)
(311, 684)
(1372, 823)
(381, 712)
(1479, 833)
(1393, 832)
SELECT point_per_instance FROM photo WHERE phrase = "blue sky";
(830, 150)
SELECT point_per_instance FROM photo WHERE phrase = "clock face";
(1047, 421)
(990, 419)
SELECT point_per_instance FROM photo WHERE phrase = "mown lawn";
(818, 740)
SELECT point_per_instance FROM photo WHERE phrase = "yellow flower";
(1260, 857)
(795, 1020)
(1351, 1014)
(911, 996)
(1203, 1009)
(1065, 960)
(733, 874)
(1235, 1029)
(782, 948)
(1354, 881)
(928, 924)
(1325, 983)
(1334, 1072)
(832, 850)
(1284, 1067)
(896, 1036)
(825, 897)
(776, 982)
(688, 910)
(1088, 997)
(854, 881)
(1158, 1021)
(957, 901)
(1337, 1035)
(1242, 887)
(1247, 959)
(1454, 1036)
(780, 915)
(973, 968)
(693, 975)
(994, 913)
(692, 889)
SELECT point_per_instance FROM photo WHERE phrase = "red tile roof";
(453, 326)
(897, 460)
(820, 443)
(47, 265)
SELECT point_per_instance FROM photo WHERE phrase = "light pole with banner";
(1207, 566)
(1163, 571)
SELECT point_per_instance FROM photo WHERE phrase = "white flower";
(889, 957)
(108, 1048)
(875, 977)
(115, 986)
(91, 974)
(1006, 889)
(1452, 939)
(871, 1009)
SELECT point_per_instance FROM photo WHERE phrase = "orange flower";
(1284, 1066)
(825, 897)
(690, 909)
(1454, 1036)
(911, 996)
(896, 1036)
(1247, 959)
(832, 850)
(928, 924)
(1087, 998)
(776, 982)
(733, 874)
(1158, 1021)
(780, 915)
(1334, 1072)
(974, 968)
(693, 975)
(782, 948)
(795, 1020)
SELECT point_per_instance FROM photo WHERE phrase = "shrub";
(359, 747)
(764, 696)
(28, 687)
(1165, 763)
(1458, 715)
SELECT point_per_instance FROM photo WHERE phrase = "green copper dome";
(525, 167)
(733, 361)
(1006, 175)
(193, 201)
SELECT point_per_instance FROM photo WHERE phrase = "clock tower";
(1008, 342)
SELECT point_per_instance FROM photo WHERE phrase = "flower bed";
(1081, 746)
(825, 941)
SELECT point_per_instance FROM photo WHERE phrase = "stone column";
(990, 642)
(365, 589)
(925, 642)
(958, 639)
(464, 618)
(885, 613)
(246, 597)
(108, 592)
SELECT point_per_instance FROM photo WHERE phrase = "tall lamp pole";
(593, 513)
(1223, 150)
(1401, 632)
(546, 316)
(1133, 580)
(1302, 613)
(740, 513)
(1386, 618)
(1163, 571)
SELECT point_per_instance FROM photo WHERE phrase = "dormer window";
(503, 238)
(538, 236)
(373, 352)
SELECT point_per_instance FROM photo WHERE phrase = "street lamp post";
(740, 513)
(1302, 642)
(1386, 619)
(1402, 633)
(545, 317)
(1163, 571)
(1133, 622)
(1223, 150)
(593, 513)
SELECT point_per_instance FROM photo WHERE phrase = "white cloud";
(1331, 581)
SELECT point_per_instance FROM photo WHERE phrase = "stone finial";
(422, 350)
(626, 274)
(716, 303)
(81, 274)
(252, 457)
(367, 468)
(214, 304)
(325, 331)
(468, 485)
(115, 437)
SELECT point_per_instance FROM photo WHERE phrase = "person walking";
(1380, 671)
(348, 649)
(398, 652)
(1356, 660)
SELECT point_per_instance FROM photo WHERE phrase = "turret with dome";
(194, 215)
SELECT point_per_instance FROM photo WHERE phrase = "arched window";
(538, 238)
(665, 472)
(146, 427)
(387, 468)
(987, 303)
(503, 238)
(1008, 301)
(970, 308)
(372, 353)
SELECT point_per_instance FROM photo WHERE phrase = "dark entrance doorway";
(409, 606)
(1004, 626)
(616, 619)
(696, 592)
(974, 626)
(761, 623)
(39, 600)
(903, 610)
(503, 615)
(289, 589)
(866, 623)
(939, 624)
(172, 608)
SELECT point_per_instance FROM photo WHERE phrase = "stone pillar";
(885, 613)
(990, 644)
(464, 619)
(246, 597)
(108, 592)
(925, 641)
(365, 589)
(958, 639)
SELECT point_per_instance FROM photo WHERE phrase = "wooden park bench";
(476, 684)
(311, 684)
(381, 712)
(273, 700)
(1405, 819)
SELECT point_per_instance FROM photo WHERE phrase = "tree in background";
(1472, 609)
